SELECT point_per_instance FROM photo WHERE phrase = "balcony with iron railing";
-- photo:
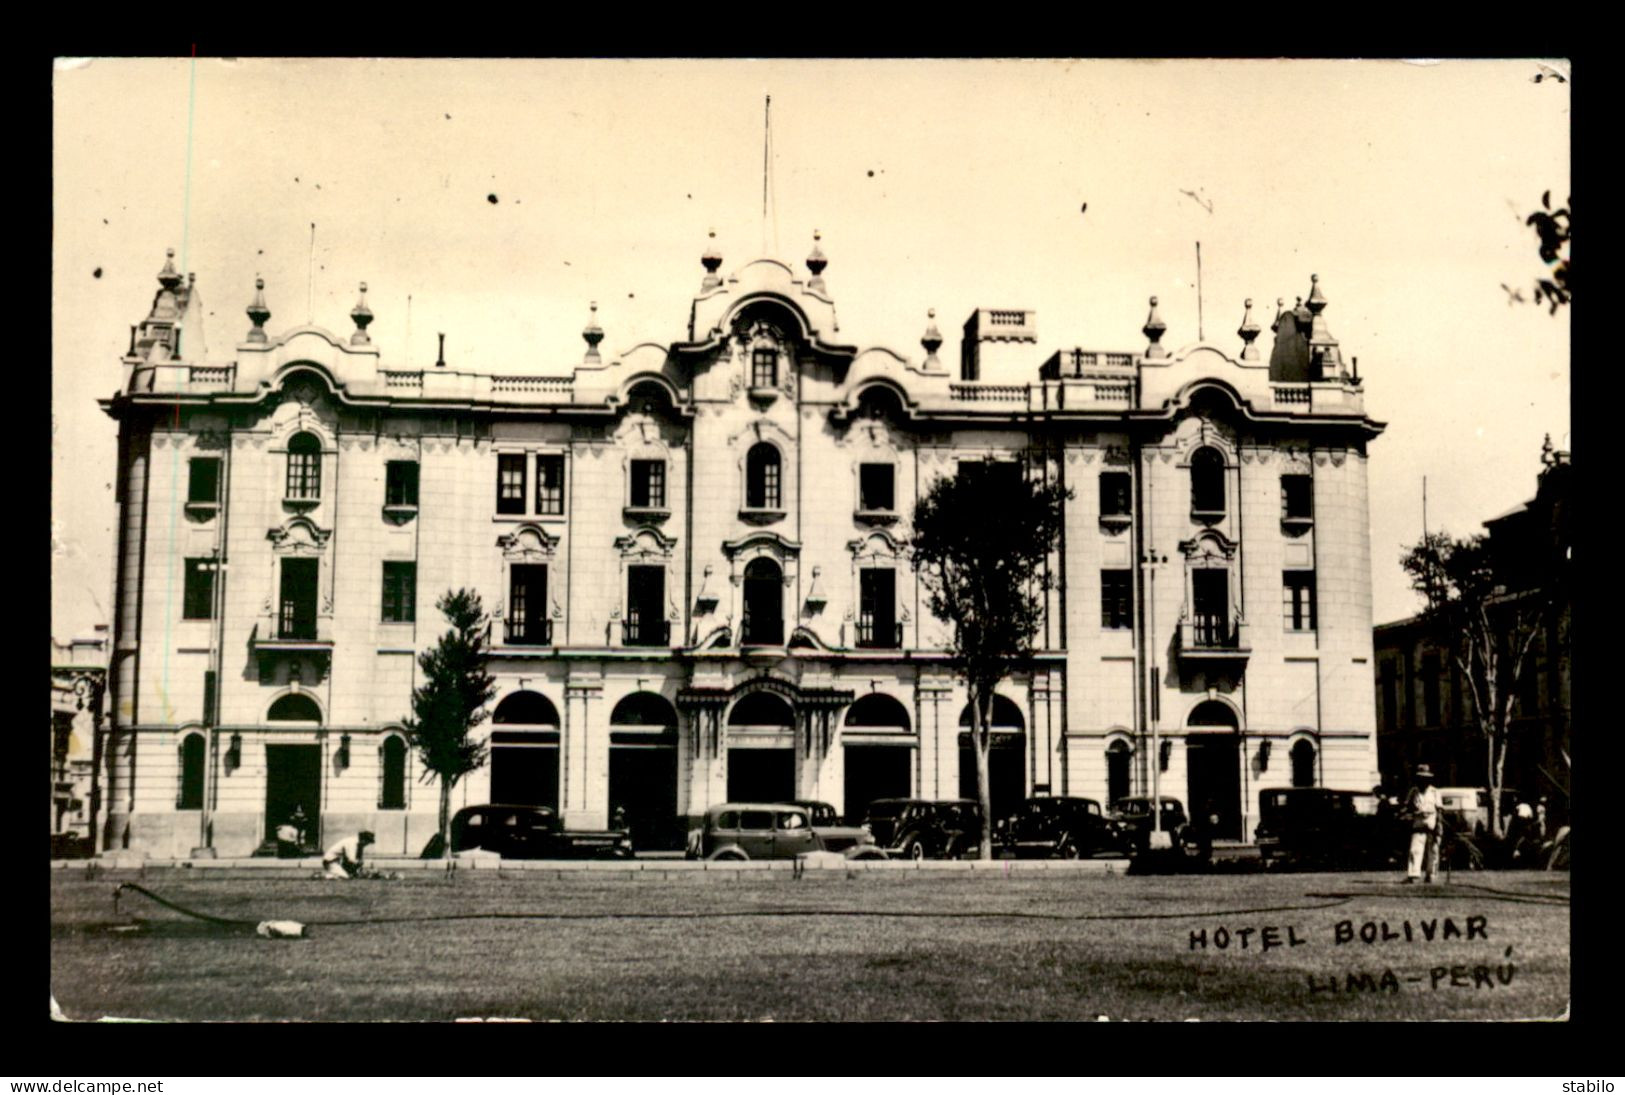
(878, 634)
(525, 631)
(1213, 635)
(645, 632)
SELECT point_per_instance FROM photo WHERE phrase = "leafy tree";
(451, 701)
(981, 542)
(1489, 632)
(1552, 227)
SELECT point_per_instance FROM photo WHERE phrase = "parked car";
(1070, 828)
(913, 828)
(774, 830)
(821, 813)
(1132, 820)
(1333, 828)
(1465, 809)
(530, 832)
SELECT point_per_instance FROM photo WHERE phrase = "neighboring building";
(695, 556)
(78, 679)
(1425, 709)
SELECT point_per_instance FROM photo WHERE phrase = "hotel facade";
(695, 555)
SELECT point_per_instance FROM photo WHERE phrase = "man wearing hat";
(1423, 810)
(343, 860)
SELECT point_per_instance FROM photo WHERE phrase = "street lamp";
(1152, 561)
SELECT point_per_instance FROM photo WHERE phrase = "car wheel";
(727, 854)
(1067, 850)
(913, 848)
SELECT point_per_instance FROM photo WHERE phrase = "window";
(1297, 498)
(511, 483)
(1431, 671)
(304, 467)
(401, 483)
(762, 477)
(297, 616)
(203, 479)
(191, 774)
(527, 605)
(1298, 599)
(875, 488)
(198, 601)
(400, 592)
(1116, 599)
(1118, 757)
(877, 608)
(763, 622)
(649, 484)
(550, 484)
(1114, 494)
(1210, 597)
(646, 623)
(1207, 482)
(1303, 763)
(764, 367)
(392, 759)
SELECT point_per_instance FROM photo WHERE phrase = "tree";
(981, 543)
(451, 701)
(1488, 631)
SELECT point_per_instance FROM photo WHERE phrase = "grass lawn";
(873, 946)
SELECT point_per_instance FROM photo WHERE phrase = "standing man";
(1423, 810)
(343, 860)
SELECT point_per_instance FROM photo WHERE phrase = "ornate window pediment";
(528, 543)
(299, 536)
(1211, 548)
(646, 545)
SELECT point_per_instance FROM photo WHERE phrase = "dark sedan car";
(1071, 828)
(1316, 825)
(912, 828)
(1132, 818)
(532, 832)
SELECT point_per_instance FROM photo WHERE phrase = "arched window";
(1303, 763)
(762, 478)
(304, 466)
(1118, 755)
(1207, 482)
(294, 708)
(1006, 715)
(526, 709)
(763, 623)
(392, 760)
(191, 761)
(878, 711)
(764, 366)
(644, 709)
(761, 709)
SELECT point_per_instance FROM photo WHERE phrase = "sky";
(495, 200)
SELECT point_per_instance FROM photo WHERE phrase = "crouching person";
(344, 859)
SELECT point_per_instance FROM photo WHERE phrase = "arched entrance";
(643, 769)
(763, 623)
(1213, 767)
(1119, 755)
(293, 772)
(761, 749)
(879, 753)
(1006, 758)
(525, 751)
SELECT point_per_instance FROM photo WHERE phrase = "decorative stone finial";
(816, 263)
(1248, 331)
(1546, 456)
(1153, 329)
(1280, 310)
(1317, 300)
(258, 313)
(362, 316)
(594, 334)
(932, 339)
(169, 277)
(711, 260)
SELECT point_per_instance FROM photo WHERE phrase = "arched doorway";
(1006, 758)
(643, 769)
(1213, 767)
(1303, 763)
(293, 772)
(763, 623)
(525, 751)
(761, 749)
(878, 753)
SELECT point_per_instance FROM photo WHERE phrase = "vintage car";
(1320, 826)
(821, 813)
(912, 828)
(774, 830)
(1131, 818)
(1070, 828)
(530, 832)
